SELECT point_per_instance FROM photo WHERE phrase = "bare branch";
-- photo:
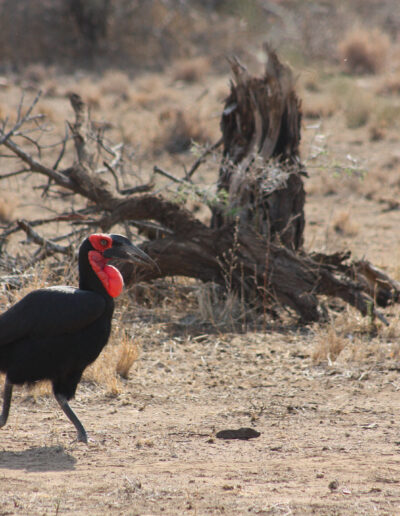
(114, 174)
(36, 166)
(49, 246)
(62, 151)
(16, 173)
(158, 170)
(20, 120)
(202, 157)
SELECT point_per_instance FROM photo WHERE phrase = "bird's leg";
(62, 401)
(8, 388)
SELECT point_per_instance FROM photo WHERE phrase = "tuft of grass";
(219, 311)
(128, 354)
(343, 224)
(391, 85)
(311, 81)
(180, 131)
(36, 73)
(115, 82)
(328, 347)
(377, 132)
(191, 70)
(358, 107)
(356, 103)
(387, 115)
(364, 51)
(318, 106)
(90, 92)
(7, 208)
(114, 362)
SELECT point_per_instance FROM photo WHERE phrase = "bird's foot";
(3, 421)
(83, 438)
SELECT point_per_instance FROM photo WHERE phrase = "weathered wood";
(260, 179)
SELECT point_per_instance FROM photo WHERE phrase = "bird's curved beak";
(123, 249)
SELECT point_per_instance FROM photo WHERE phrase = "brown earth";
(329, 444)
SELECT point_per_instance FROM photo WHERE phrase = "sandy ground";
(329, 443)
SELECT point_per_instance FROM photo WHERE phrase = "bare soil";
(329, 443)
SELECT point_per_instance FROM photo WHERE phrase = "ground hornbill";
(55, 333)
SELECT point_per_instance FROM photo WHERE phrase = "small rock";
(333, 486)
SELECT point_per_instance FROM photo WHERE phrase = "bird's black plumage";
(55, 333)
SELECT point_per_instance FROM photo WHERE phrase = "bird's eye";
(104, 242)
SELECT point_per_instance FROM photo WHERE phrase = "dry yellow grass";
(390, 84)
(364, 51)
(329, 345)
(115, 361)
(318, 106)
(128, 354)
(344, 225)
(179, 130)
(191, 70)
(115, 82)
(7, 208)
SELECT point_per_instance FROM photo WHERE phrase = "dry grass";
(344, 225)
(179, 130)
(191, 70)
(218, 310)
(377, 132)
(115, 361)
(387, 114)
(117, 83)
(311, 82)
(128, 354)
(318, 106)
(36, 73)
(358, 107)
(364, 51)
(90, 92)
(356, 102)
(7, 208)
(329, 345)
(390, 85)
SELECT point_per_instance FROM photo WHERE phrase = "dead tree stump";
(260, 179)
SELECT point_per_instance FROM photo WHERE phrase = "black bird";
(55, 333)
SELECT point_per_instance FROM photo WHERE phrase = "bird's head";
(100, 248)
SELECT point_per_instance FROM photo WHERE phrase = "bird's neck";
(109, 276)
(99, 278)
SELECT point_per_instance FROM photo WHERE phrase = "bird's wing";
(50, 311)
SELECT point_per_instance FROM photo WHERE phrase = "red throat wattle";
(109, 276)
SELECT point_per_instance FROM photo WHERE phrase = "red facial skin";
(109, 276)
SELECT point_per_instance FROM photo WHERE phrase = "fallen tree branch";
(208, 150)
(48, 246)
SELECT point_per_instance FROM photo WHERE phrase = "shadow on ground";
(53, 458)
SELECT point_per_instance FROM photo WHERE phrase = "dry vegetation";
(364, 51)
(186, 361)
